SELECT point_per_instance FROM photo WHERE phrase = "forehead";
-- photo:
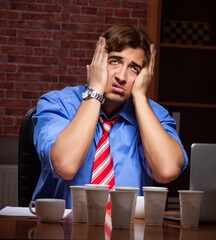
(130, 55)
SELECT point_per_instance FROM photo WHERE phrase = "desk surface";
(31, 228)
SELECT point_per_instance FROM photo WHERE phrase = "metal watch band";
(97, 96)
(93, 94)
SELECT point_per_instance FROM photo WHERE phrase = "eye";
(135, 69)
(113, 61)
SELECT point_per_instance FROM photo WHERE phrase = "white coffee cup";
(122, 203)
(154, 205)
(190, 203)
(79, 203)
(96, 198)
(48, 209)
(130, 189)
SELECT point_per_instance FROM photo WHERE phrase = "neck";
(110, 108)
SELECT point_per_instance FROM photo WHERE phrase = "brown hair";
(119, 37)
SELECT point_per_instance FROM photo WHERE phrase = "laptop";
(203, 177)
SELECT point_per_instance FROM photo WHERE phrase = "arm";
(73, 143)
(163, 153)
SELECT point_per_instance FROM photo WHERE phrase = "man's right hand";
(97, 70)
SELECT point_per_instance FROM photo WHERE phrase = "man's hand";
(97, 70)
(144, 78)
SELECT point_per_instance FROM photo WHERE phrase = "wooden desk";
(31, 228)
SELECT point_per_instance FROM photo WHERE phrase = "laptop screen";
(203, 177)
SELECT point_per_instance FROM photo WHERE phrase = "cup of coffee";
(122, 203)
(79, 203)
(135, 191)
(48, 209)
(96, 199)
(190, 203)
(154, 205)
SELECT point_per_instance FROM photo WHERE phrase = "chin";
(117, 98)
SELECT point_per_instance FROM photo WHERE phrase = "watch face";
(86, 93)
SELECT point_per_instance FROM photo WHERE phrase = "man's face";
(123, 68)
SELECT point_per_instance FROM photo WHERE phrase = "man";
(144, 144)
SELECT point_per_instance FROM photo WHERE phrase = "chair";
(29, 166)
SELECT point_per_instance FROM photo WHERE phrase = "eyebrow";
(120, 58)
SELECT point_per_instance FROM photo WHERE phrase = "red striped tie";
(103, 172)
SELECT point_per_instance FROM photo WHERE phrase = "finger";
(88, 73)
(152, 59)
(99, 50)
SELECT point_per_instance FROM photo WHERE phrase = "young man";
(144, 143)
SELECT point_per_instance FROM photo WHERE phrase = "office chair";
(29, 166)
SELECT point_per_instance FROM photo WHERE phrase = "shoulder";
(67, 95)
(65, 92)
(161, 112)
(157, 108)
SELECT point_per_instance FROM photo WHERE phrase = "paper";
(23, 212)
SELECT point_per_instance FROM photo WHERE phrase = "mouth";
(118, 88)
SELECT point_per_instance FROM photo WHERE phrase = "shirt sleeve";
(55, 110)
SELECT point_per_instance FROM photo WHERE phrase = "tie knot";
(107, 125)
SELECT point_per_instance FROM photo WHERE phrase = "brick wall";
(46, 44)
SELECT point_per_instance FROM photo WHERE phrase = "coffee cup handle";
(31, 233)
(30, 207)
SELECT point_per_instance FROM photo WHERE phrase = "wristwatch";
(90, 93)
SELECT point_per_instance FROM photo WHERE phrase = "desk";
(31, 228)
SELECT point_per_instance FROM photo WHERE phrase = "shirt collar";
(127, 112)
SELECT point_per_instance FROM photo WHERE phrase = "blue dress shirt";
(56, 109)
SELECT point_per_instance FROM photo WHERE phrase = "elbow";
(64, 171)
(167, 174)
(170, 169)
(64, 166)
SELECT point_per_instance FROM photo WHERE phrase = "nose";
(121, 74)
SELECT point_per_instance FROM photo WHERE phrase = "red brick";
(31, 95)
(32, 42)
(34, 69)
(6, 121)
(122, 13)
(69, 44)
(32, 86)
(9, 15)
(13, 94)
(50, 43)
(8, 67)
(52, 8)
(42, 51)
(8, 32)
(37, 16)
(49, 78)
(32, 60)
(35, 7)
(4, 5)
(18, 6)
(107, 3)
(6, 85)
(14, 112)
(50, 61)
(16, 50)
(16, 41)
(3, 40)
(34, 34)
(89, 10)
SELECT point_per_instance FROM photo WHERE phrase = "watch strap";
(93, 94)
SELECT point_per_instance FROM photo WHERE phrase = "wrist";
(90, 93)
